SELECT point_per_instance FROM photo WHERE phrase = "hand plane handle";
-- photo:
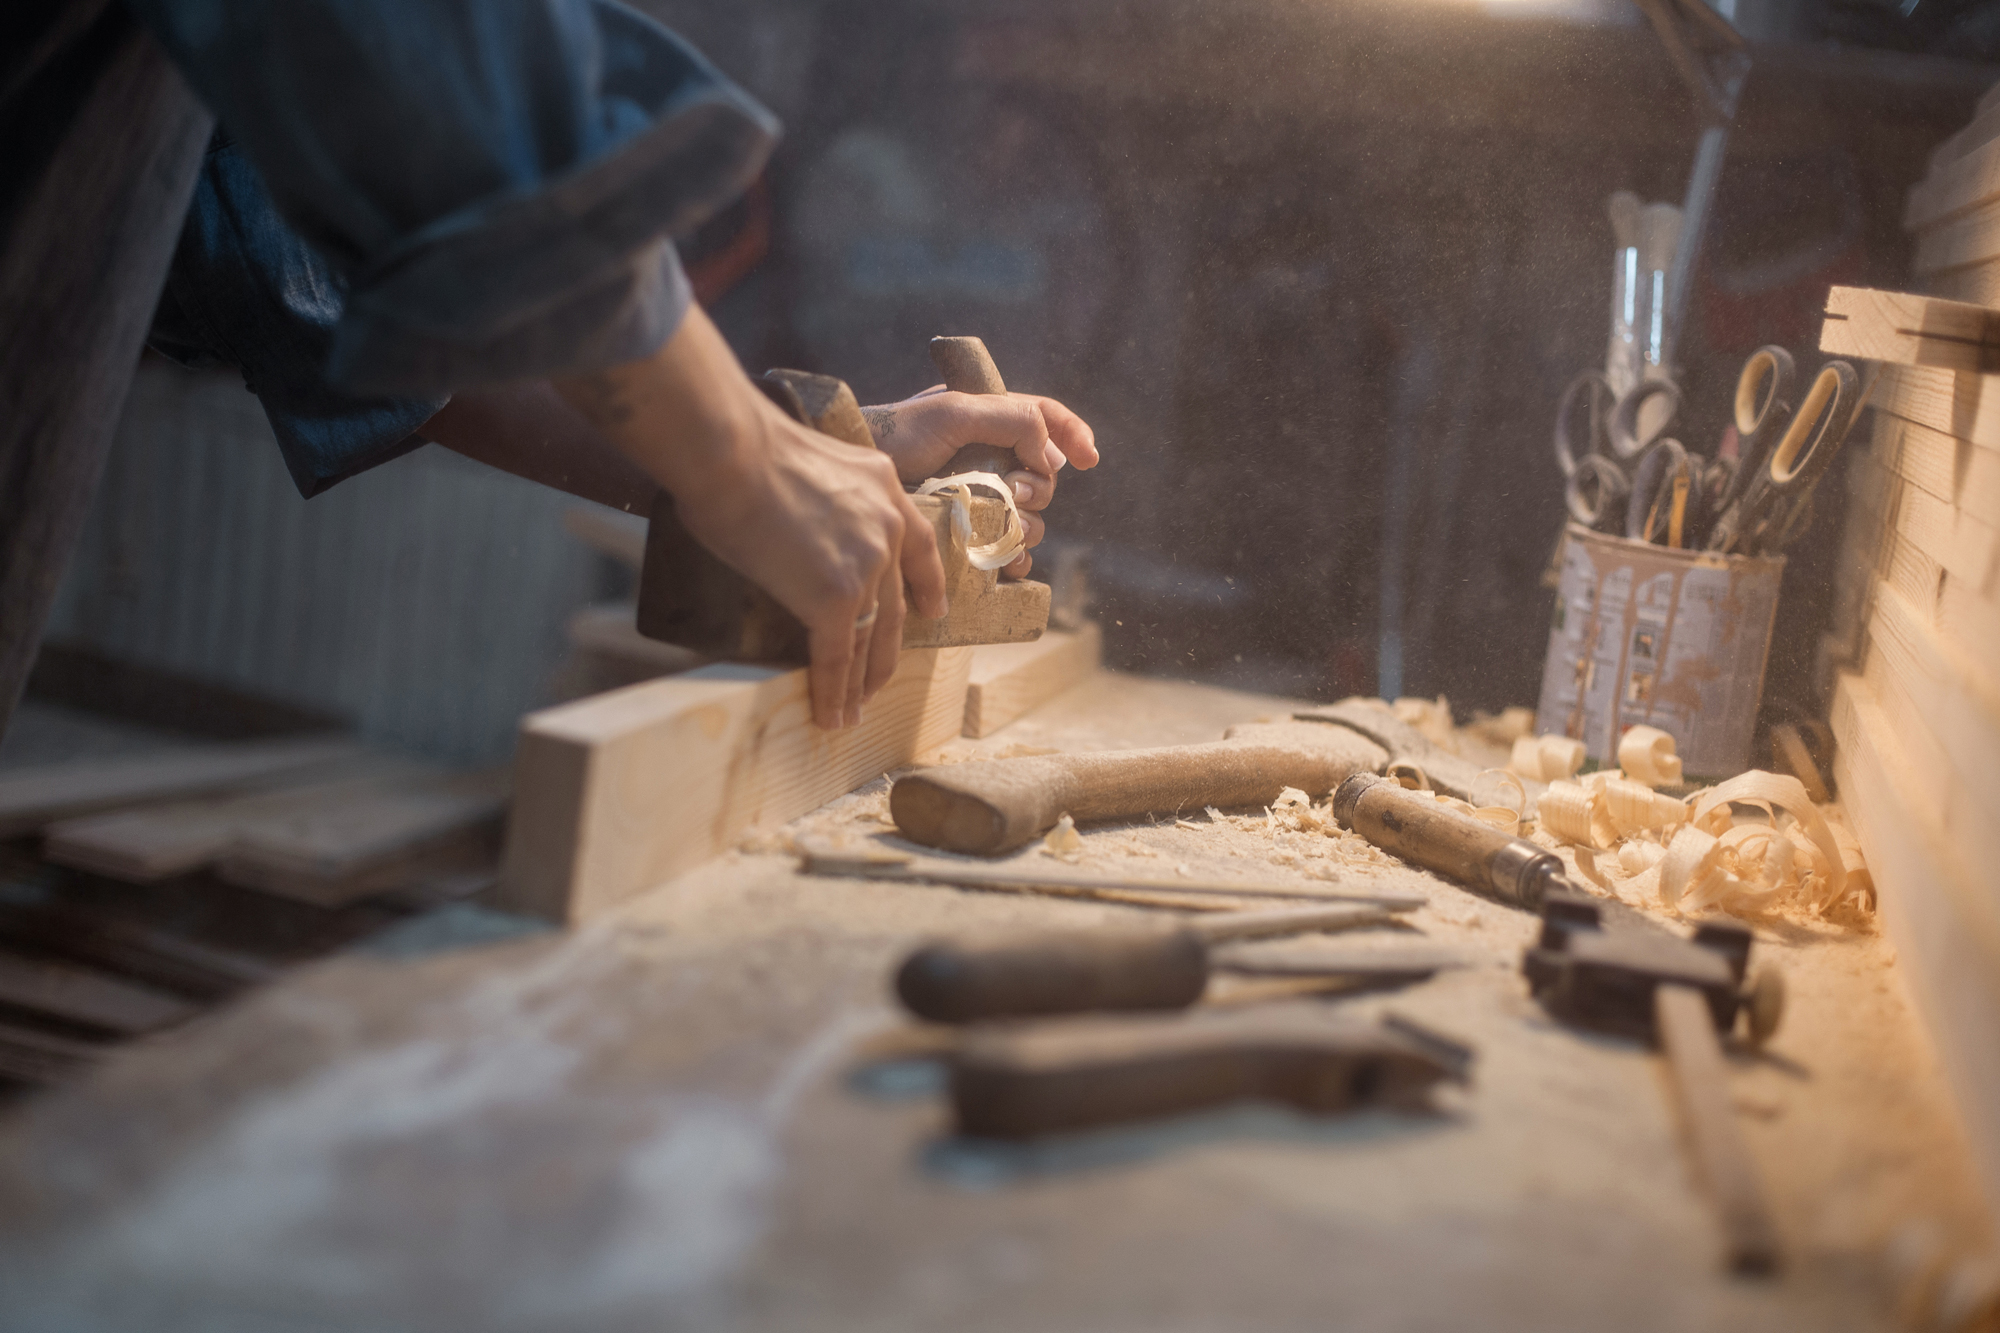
(968, 367)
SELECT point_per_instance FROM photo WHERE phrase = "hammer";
(1680, 993)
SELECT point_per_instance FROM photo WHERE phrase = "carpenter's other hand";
(921, 434)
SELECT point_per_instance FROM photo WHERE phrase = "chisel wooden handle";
(1065, 1076)
(1072, 972)
(968, 367)
(1424, 832)
(992, 807)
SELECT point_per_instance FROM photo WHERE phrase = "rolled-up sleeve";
(496, 182)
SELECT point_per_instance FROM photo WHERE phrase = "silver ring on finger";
(866, 618)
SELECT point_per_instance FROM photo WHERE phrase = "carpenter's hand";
(922, 433)
(822, 526)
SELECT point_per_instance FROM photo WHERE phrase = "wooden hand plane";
(689, 597)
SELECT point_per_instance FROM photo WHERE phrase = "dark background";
(1316, 273)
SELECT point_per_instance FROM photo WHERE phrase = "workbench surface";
(655, 1122)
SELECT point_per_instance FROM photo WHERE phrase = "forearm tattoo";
(881, 422)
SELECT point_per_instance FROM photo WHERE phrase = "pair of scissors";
(1598, 477)
(1784, 452)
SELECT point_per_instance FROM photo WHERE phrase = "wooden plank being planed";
(620, 792)
(33, 797)
(1009, 679)
(1911, 330)
(85, 998)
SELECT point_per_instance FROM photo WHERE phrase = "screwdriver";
(1080, 971)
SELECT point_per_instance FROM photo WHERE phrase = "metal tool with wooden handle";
(1076, 1074)
(993, 807)
(1639, 981)
(1079, 971)
(1413, 826)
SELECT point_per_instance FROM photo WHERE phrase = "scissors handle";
(1594, 490)
(1763, 407)
(1596, 391)
(1775, 489)
(1627, 439)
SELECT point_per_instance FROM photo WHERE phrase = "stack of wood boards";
(1913, 657)
(322, 821)
(1955, 212)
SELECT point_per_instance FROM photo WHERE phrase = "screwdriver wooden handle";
(1063, 1076)
(993, 807)
(1075, 972)
(1072, 972)
(968, 367)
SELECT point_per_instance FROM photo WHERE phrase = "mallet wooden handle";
(1701, 1086)
(968, 367)
(992, 807)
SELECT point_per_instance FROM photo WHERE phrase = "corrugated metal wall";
(425, 599)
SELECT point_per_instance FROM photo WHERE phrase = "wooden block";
(1969, 238)
(1910, 329)
(618, 793)
(1964, 475)
(1965, 407)
(1977, 283)
(1008, 679)
(86, 998)
(1960, 186)
(687, 596)
(154, 842)
(33, 797)
(1942, 912)
(369, 838)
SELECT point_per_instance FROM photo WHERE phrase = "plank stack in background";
(1913, 658)
(1954, 212)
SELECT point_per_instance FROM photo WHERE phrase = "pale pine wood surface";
(1009, 679)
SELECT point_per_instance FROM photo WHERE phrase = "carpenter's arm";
(529, 430)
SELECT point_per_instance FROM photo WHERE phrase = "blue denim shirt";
(416, 196)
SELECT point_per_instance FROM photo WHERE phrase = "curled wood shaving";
(1636, 857)
(1547, 758)
(1776, 792)
(1634, 808)
(1647, 755)
(1577, 814)
(1489, 784)
(995, 554)
(1409, 775)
